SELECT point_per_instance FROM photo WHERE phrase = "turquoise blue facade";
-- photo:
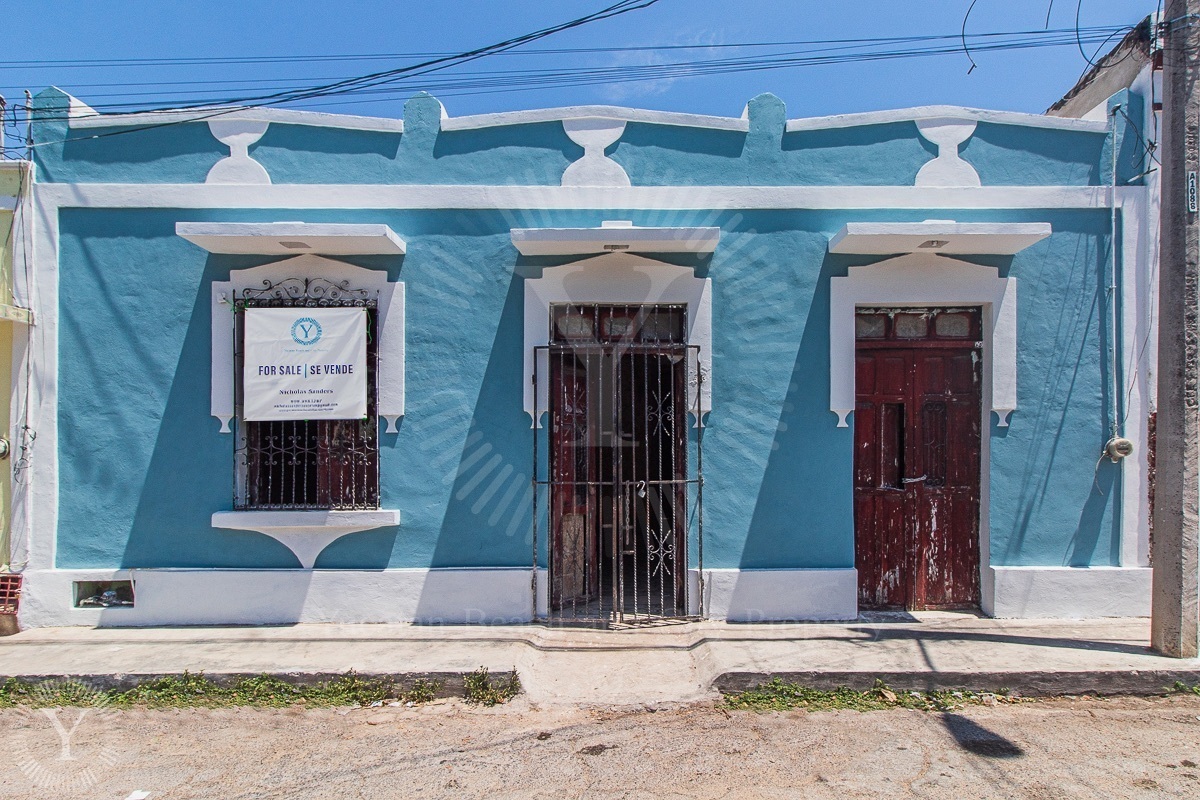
(142, 465)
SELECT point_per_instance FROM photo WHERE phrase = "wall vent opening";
(103, 594)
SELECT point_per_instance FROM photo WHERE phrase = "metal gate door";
(619, 491)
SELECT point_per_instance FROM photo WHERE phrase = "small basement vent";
(103, 594)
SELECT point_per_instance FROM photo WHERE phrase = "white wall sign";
(305, 363)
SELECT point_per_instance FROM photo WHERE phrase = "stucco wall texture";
(143, 466)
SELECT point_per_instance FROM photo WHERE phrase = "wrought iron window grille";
(306, 464)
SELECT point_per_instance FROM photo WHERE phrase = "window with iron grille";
(307, 464)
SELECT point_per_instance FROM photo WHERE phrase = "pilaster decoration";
(922, 279)
(619, 278)
(390, 326)
(949, 168)
(238, 166)
(594, 168)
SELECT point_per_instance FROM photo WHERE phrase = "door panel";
(917, 443)
(574, 567)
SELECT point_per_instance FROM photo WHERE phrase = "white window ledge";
(306, 533)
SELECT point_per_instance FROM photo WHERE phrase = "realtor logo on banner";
(305, 363)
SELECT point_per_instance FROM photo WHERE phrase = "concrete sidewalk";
(667, 663)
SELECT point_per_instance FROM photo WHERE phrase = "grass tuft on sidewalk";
(779, 695)
(481, 689)
(195, 690)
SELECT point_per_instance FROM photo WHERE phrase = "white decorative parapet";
(238, 166)
(306, 533)
(949, 168)
(594, 168)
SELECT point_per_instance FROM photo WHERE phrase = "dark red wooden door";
(916, 467)
(575, 555)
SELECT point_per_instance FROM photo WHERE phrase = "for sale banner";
(305, 363)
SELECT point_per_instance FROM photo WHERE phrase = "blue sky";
(381, 35)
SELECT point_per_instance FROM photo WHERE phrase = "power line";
(458, 83)
(378, 78)
(237, 60)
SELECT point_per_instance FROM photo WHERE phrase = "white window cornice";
(293, 238)
(619, 278)
(614, 236)
(390, 324)
(925, 279)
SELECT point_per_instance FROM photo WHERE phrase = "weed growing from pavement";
(778, 695)
(195, 690)
(1182, 688)
(481, 689)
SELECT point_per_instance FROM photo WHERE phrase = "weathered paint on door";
(916, 467)
(574, 550)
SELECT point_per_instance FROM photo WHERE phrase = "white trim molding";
(780, 595)
(292, 238)
(285, 596)
(944, 237)
(622, 278)
(306, 533)
(82, 116)
(920, 280)
(390, 327)
(614, 236)
(468, 196)
(947, 112)
(1068, 592)
(617, 113)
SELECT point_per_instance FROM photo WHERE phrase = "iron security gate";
(307, 464)
(620, 492)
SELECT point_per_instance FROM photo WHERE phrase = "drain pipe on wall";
(1117, 447)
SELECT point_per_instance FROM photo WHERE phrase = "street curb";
(1030, 684)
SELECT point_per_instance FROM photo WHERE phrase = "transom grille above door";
(621, 493)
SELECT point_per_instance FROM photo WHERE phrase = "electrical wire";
(966, 50)
(497, 81)
(524, 51)
(379, 78)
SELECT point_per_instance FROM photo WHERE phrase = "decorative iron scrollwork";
(309, 464)
(313, 292)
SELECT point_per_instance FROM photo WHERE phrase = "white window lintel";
(389, 325)
(926, 280)
(618, 278)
